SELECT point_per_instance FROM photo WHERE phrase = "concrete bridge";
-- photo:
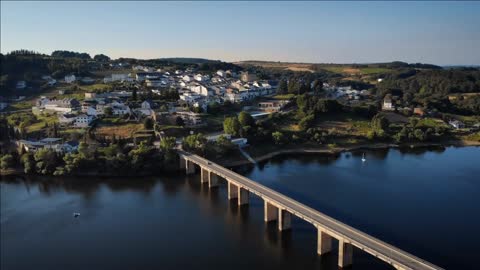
(281, 208)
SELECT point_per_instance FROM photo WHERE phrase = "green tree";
(278, 137)
(195, 142)
(307, 122)
(379, 122)
(7, 162)
(246, 119)
(134, 94)
(231, 126)
(148, 123)
(28, 163)
(419, 135)
(317, 87)
(282, 87)
(167, 144)
(46, 161)
(108, 111)
(101, 58)
(179, 121)
(224, 145)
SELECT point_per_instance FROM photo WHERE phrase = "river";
(425, 202)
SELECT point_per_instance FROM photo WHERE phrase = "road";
(386, 252)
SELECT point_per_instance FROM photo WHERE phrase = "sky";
(442, 33)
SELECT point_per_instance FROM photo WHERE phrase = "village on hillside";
(130, 103)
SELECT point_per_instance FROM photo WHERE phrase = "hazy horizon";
(441, 33)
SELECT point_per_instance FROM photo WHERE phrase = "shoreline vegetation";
(338, 150)
(300, 149)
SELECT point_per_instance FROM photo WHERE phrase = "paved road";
(388, 253)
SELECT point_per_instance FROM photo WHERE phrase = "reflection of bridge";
(280, 207)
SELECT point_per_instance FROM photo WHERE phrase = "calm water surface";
(425, 202)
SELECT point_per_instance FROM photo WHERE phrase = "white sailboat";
(363, 158)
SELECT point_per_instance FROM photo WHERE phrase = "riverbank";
(324, 149)
(265, 153)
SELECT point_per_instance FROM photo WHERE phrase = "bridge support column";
(232, 191)
(284, 220)
(271, 212)
(212, 179)
(242, 196)
(183, 162)
(324, 242)
(345, 253)
(190, 167)
(203, 175)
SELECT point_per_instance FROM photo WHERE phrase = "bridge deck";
(386, 252)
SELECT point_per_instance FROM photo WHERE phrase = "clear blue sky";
(338, 32)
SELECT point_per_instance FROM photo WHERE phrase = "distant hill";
(354, 71)
(187, 60)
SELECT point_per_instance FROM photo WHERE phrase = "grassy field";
(345, 123)
(42, 121)
(96, 86)
(120, 131)
(472, 137)
(349, 70)
(431, 123)
(21, 105)
(284, 97)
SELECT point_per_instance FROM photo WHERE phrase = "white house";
(70, 78)
(187, 78)
(21, 85)
(52, 82)
(87, 80)
(119, 108)
(189, 97)
(117, 77)
(92, 110)
(147, 104)
(388, 103)
(240, 142)
(83, 121)
(190, 118)
(201, 78)
(60, 105)
(66, 118)
(199, 89)
(221, 73)
(233, 97)
(456, 124)
(154, 83)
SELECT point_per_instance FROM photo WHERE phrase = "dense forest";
(432, 88)
(30, 66)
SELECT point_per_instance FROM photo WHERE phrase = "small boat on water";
(363, 158)
(76, 215)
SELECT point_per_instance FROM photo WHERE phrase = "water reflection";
(176, 222)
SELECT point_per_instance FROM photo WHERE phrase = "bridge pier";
(242, 196)
(284, 220)
(212, 180)
(232, 191)
(324, 242)
(190, 167)
(345, 253)
(270, 212)
(203, 175)
(183, 162)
